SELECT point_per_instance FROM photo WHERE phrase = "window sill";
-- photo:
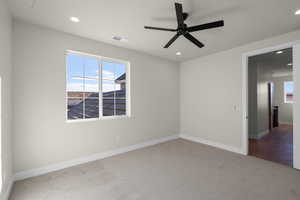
(98, 119)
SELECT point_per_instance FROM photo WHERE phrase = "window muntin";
(114, 88)
(288, 92)
(96, 87)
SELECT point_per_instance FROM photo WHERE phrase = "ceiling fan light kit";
(184, 30)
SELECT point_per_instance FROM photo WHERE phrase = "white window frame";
(101, 59)
(284, 92)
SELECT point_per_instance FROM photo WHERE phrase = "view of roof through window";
(95, 87)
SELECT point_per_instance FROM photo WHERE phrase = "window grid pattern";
(288, 91)
(86, 104)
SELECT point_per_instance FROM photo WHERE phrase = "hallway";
(276, 146)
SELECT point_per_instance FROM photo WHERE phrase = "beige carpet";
(175, 170)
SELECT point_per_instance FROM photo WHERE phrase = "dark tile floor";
(276, 146)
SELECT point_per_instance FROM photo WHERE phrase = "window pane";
(120, 100)
(108, 70)
(75, 108)
(91, 108)
(121, 94)
(75, 65)
(91, 88)
(91, 68)
(91, 95)
(75, 94)
(108, 107)
(120, 106)
(120, 72)
(75, 72)
(108, 88)
(114, 90)
(75, 86)
(121, 82)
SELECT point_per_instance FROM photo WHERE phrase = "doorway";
(270, 106)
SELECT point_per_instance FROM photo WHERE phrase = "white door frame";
(245, 57)
(1, 157)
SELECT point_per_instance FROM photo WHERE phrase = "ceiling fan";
(184, 30)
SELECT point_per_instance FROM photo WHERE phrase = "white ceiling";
(276, 64)
(245, 21)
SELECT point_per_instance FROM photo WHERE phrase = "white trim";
(6, 193)
(270, 49)
(286, 123)
(1, 155)
(259, 135)
(245, 142)
(97, 56)
(296, 107)
(263, 133)
(245, 86)
(211, 143)
(97, 119)
(54, 167)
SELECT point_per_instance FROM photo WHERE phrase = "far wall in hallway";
(259, 77)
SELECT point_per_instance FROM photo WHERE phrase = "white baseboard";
(211, 143)
(287, 123)
(263, 133)
(7, 189)
(44, 170)
(259, 135)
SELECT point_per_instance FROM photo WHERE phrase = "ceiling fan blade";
(160, 29)
(172, 40)
(206, 26)
(193, 40)
(179, 14)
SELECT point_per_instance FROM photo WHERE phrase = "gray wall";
(5, 73)
(211, 94)
(41, 134)
(263, 78)
(252, 98)
(259, 75)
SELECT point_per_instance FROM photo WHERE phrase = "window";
(288, 92)
(96, 87)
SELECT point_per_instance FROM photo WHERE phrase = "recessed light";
(290, 64)
(279, 52)
(75, 19)
(297, 12)
(124, 40)
(118, 38)
(178, 53)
